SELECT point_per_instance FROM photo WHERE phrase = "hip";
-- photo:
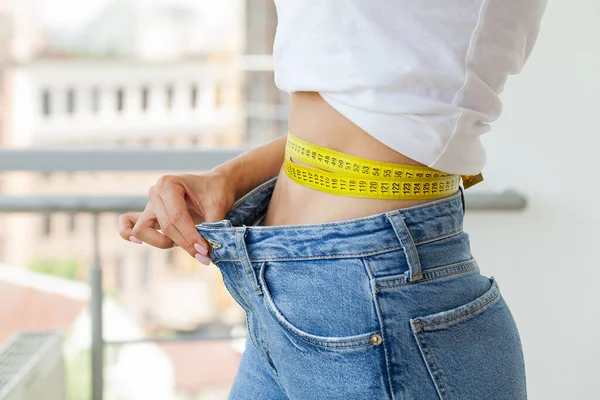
(392, 303)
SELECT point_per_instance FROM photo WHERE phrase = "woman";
(351, 297)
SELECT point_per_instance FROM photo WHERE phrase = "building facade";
(56, 99)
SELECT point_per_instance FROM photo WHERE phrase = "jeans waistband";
(235, 239)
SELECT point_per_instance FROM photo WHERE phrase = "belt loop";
(410, 250)
(240, 235)
(462, 198)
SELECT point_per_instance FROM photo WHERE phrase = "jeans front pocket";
(328, 303)
(473, 351)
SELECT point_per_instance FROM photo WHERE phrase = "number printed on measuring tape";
(323, 157)
(348, 175)
(342, 185)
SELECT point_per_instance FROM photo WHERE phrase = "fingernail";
(204, 260)
(201, 249)
(135, 240)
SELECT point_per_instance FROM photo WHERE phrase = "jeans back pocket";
(473, 351)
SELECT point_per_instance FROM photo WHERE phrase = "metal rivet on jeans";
(376, 339)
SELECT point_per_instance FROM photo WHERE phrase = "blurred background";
(139, 74)
(193, 78)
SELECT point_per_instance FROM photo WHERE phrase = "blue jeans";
(387, 306)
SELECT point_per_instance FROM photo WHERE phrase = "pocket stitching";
(470, 309)
(363, 340)
(432, 366)
(436, 274)
(418, 327)
(242, 304)
(250, 335)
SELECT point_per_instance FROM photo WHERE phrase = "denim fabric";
(387, 306)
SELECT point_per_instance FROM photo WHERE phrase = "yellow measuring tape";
(346, 175)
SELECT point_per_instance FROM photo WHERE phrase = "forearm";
(255, 166)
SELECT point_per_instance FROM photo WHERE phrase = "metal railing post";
(96, 314)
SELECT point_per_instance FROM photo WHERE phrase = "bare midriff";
(314, 120)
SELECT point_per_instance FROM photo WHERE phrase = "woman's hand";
(177, 204)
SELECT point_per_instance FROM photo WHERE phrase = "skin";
(178, 202)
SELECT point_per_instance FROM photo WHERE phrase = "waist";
(428, 223)
(313, 120)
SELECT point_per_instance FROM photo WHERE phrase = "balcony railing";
(128, 160)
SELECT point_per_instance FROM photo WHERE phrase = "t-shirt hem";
(405, 136)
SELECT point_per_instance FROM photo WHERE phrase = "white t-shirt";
(421, 76)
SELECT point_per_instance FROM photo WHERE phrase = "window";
(194, 97)
(169, 97)
(46, 103)
(70, 101)
(145, 96)
(72, 223)
(47, 225)
(120, 99)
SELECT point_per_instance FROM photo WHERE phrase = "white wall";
(546, 145)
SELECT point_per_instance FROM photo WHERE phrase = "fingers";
(166, 221)
(169, 219)
(185, 223)
(169, 197)
(126, 223)
(179, 226)
(145, 230)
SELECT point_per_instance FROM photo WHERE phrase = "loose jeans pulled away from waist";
(387, 306)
